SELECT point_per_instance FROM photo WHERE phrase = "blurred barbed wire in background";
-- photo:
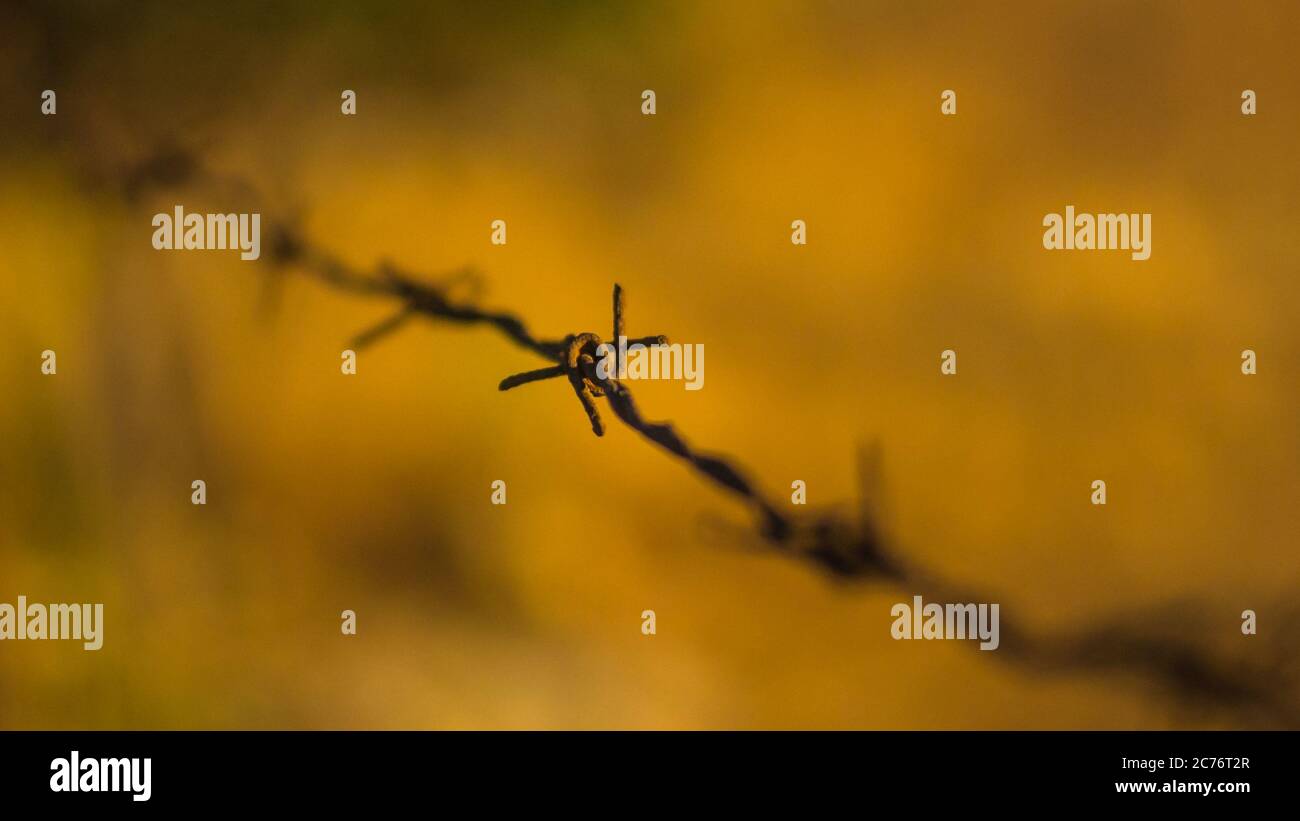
(1155, 645)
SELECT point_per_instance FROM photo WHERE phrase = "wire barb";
(580, 363)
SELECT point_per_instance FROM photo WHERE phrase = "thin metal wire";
(846, 548)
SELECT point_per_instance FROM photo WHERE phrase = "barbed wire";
(845, 548)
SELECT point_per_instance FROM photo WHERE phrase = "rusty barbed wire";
(846, 549)
(574, 358)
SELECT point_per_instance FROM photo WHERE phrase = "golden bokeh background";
(371, 492)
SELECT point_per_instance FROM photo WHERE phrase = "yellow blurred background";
(371, 492)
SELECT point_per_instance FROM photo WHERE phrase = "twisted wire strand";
(844, 549)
